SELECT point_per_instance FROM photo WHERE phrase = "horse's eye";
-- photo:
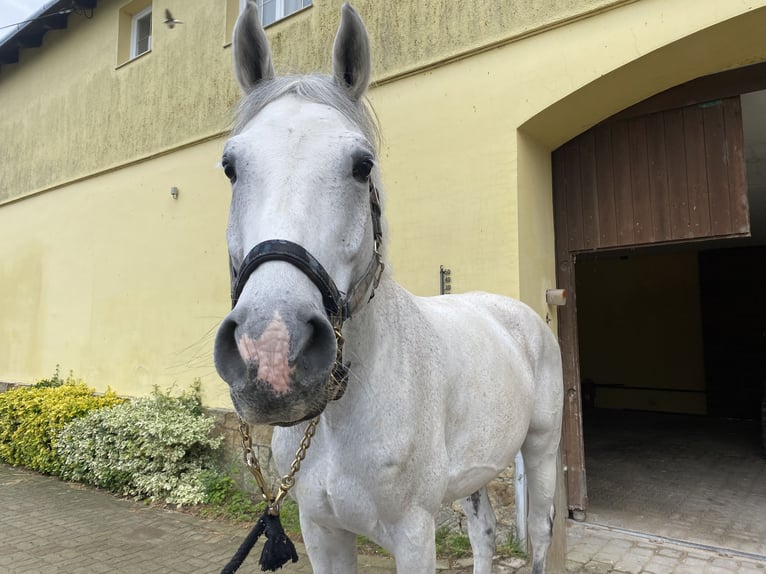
(228, 170)
(362, 168)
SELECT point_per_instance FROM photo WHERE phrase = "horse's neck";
(374, 337)
(375, 319)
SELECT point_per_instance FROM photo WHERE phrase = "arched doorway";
(649, 206)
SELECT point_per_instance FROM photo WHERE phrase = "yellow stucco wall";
(102, 272)
(77, 112)
(78, 108)
(113, 278)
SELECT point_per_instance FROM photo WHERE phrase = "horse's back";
(496, 322)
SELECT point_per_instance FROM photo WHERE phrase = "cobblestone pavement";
(693, 478)
(49, 526)
(598, 549)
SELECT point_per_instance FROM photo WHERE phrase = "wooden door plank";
(589, 190)
(716, 168)
(658, 177)
(738, 203)
(560, 189)
(572, 417)
(639, 182)
(567, 328)
(607, 217)
(623, 196)
(675, 154)
(574, 196)
(696, 175)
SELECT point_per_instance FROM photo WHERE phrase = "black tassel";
(278, 549)
(245, 547)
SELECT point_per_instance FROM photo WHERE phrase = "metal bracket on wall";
(445, 280)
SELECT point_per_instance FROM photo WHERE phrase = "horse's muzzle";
(277, 367)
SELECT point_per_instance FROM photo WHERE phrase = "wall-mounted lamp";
(174, 192)
(556, 297)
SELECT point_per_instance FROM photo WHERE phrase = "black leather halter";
(283, 250)
(337, 305)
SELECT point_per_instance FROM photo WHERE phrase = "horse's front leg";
(330, 550)
(414, 546)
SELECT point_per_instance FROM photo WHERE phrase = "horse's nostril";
(228, 361)
(318, 345)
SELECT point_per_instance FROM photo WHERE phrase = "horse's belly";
(483, 433)
(473, 466)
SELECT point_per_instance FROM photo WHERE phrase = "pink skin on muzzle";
(270, 353)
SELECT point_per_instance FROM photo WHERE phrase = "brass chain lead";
(288, 481)
(252, 461)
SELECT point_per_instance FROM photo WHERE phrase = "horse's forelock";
(315, 88)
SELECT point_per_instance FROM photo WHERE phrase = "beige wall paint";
(114, 279)
(102, 272)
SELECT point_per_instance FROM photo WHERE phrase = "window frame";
(280, 10)
(135, 18)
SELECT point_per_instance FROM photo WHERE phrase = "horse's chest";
(333, 495)
(343, 487)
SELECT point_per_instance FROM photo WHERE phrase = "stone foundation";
(231, 456)
(8, 386)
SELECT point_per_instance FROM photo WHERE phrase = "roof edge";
(29, 34)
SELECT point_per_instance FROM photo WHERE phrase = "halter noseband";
(338, 306)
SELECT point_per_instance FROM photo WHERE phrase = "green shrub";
(32, 417)
(225, 500)
(55, 380)
(157, 447)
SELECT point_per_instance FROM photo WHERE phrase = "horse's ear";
(351, 54)
(252, 56)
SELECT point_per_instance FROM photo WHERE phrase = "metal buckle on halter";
(378, 271)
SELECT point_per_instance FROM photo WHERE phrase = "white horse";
(442, 391)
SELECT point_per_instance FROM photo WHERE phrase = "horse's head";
(300, 162)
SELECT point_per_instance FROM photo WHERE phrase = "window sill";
(133, 59)
(289, 16)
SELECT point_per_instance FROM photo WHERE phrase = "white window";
(141, 32)
(273, 10)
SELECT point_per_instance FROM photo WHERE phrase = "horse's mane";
(316, 88)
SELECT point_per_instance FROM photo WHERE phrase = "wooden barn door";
(669, 176)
